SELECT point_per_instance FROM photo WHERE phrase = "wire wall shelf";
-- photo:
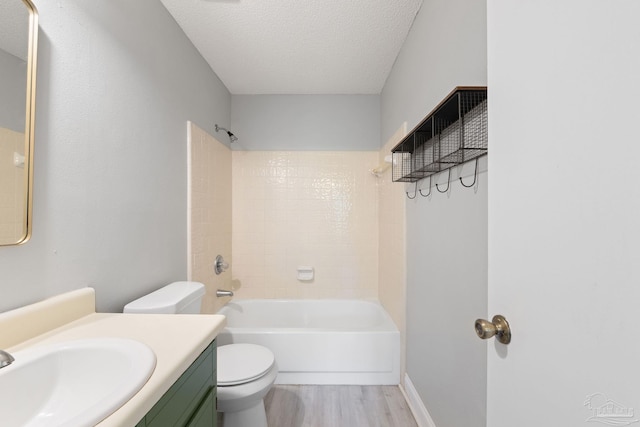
(453, 133)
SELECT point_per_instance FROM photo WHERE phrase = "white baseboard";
(418, 409)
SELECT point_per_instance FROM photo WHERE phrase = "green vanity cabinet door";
(206, 415)
(190, 402)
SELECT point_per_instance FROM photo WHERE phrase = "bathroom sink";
(74, 383)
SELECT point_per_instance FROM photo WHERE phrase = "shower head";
(232, 137)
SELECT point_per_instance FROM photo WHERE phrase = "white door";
(564, 212)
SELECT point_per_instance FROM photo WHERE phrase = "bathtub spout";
(223, 293)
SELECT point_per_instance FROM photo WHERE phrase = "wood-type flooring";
(337, 406)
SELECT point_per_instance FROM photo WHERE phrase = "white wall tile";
(391, 254)
(313, 208)
(210, 223)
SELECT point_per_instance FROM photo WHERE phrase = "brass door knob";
(498, 327)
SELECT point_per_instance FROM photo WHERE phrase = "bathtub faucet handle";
(220, 265)
(223, 293)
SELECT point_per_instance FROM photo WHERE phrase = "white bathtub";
(319, 341)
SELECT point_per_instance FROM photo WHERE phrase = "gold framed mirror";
(18, 55)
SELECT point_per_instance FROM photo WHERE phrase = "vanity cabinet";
(191, 401)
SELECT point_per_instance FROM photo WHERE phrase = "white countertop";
(176, 339)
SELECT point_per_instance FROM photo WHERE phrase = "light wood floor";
(337, 406)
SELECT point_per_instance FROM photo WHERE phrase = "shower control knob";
(498, 327)
(220, 265)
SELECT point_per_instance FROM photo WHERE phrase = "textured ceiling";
(297, 46)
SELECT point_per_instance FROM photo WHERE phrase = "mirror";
(18, 48)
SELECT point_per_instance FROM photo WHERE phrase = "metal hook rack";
(429, 193)
(448, 183)
(415, 192)
(454, 133)
(438, 186)
(475, 177)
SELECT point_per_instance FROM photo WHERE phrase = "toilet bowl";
(245, 372)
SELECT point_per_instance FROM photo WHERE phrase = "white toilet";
(245, 372)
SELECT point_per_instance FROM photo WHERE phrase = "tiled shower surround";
(392, 252)
(317, 209)
(275, 211)
(209, 213)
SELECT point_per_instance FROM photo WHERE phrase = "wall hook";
(475, 177)
(448, 184)
(415, 192)
(429, 193)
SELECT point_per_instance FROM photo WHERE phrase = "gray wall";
(446, 233)
(306, 122)
(117, 82)
(446, 47)
(13, 90)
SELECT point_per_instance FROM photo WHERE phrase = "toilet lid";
(241, 363)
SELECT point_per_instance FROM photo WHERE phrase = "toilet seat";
(242, 363)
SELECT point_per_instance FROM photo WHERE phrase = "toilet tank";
(176, 298)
